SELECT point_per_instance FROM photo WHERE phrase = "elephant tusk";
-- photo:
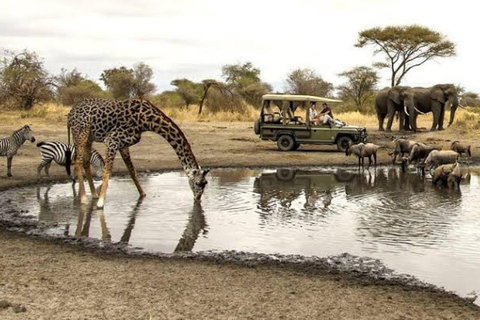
(406, 112)
(419, 110)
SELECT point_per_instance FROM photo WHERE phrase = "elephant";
(433, 99)
(391, 100)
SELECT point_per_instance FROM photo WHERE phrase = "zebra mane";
(25, 127)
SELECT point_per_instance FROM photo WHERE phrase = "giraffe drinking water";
(120, 124)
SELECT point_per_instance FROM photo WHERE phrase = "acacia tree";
(24, 79)
(190, 91)
(361, 82)
(405, 47)
(244, 80)
(306, 81)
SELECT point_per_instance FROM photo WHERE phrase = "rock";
(17, 308)
(4, 304)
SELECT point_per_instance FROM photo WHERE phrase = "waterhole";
(413, 227)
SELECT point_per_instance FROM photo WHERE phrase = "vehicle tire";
(296, 146)
(343, 142)
(285, 174)
(256, 126)
(285, 143)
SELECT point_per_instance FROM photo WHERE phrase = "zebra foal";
(62, 154)
(10, 145)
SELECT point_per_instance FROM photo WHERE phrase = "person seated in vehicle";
(327, 115)
(321, 118)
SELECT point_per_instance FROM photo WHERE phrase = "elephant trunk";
(454, 103)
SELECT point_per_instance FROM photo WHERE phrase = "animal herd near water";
(120, 124)
(445, 163)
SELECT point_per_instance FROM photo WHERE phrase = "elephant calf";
(362, 151)
(449, 174)
(438, 157)
(461, 148)
(402, 147)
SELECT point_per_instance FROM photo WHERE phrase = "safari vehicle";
(290, 131)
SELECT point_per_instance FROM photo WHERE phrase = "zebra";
(10, 145)
(62, 153)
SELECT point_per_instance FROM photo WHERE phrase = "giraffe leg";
(131, 169)
(111, 151)
(88, 171)
(80, 143)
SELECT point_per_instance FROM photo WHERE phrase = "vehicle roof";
(296, 97)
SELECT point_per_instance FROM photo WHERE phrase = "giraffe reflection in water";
(55, 211)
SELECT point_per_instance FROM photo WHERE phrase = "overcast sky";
(193, 39)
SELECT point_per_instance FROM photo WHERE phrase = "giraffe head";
(196, 178)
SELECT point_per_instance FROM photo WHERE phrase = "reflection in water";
(395, 216)
(390, 205)
(195, 225)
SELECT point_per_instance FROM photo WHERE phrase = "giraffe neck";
(169, 130)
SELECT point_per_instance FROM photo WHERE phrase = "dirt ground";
(57, 281)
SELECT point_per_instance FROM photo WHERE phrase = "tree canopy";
(405, 47)
(306, 81)
(24, 80)
(125, 83)
(360, 84)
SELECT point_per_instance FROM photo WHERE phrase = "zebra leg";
(131, 169)
(111, 151)
(39, 169)
(47, 168)
(9, 166)
(88, 170)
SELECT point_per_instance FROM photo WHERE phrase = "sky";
(193, 39)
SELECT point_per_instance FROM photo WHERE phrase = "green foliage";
(73, 87)
(125, 83)
(244, 80)
(361, 82)
(190, 91)
(224, 100)
(168, 99)
(119, 81)
(470, 99)
(405, 47)
(23, 79)
(143, 75)
(306, 81)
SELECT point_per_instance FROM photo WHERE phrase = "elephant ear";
(394, 95)
(437, 94)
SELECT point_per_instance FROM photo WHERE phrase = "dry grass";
(467, 122)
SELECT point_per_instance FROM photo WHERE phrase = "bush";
(222, 100)
(72, 95)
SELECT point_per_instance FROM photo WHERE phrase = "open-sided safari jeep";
(290, 130)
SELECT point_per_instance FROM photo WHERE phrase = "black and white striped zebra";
(57, 151)
(10, 145)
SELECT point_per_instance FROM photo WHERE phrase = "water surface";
(430, 232)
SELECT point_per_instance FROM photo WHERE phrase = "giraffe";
(120, 125)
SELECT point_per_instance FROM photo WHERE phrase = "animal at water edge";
(362, 151)
(402, 147)
(449, 174)
(10, 145)
(418, 154)
(120, 124)
(461, 148)
(61, 153)
(438, 157)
